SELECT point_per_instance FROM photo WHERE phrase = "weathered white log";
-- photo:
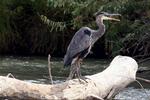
(121, 72)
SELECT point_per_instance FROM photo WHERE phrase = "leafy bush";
(40, 27)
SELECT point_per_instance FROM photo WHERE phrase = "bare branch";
(49, 69)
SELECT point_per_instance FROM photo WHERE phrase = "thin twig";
(49, 69)
(145, 80)
(10, 75)
(142, 79)
(143, 89)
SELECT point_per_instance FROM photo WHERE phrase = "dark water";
(34, 69)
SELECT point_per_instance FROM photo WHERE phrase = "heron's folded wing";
(80, 42)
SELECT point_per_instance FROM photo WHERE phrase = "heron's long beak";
(110, 18)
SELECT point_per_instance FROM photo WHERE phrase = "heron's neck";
(100, 32)
(101, 28)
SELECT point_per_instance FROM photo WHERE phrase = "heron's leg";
(78, 69)
(72, 71)
(79, 72)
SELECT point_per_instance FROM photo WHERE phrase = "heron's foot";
(82, 79)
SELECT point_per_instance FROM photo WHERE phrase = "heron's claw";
(83, 78)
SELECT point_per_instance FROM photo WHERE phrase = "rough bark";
(120, 72)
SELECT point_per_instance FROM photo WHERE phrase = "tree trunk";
(121, 72)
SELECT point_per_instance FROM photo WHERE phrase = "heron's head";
(107, 16)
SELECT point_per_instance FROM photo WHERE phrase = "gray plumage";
(79, 43)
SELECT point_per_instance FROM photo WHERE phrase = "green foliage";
(47, 26)
(124, 36)
(7, 37)
(58, 26)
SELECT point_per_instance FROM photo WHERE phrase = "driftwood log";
(120, 73)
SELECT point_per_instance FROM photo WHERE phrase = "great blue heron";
(82, 42)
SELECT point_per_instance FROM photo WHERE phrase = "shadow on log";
(104, 85)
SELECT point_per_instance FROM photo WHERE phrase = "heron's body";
(81, 44)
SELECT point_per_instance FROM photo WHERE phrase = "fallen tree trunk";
(106, 84)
